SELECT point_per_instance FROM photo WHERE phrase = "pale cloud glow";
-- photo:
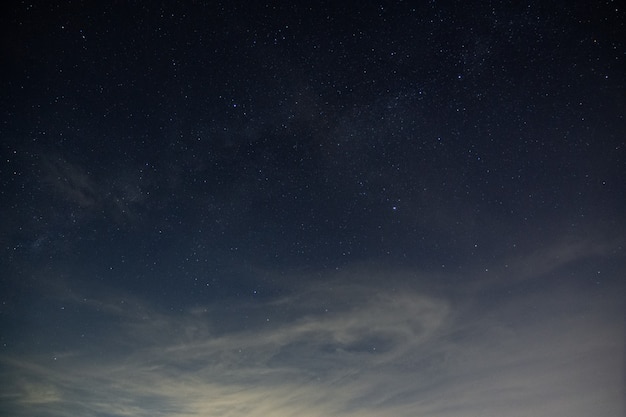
(342, 347)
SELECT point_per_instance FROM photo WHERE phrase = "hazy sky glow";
(314, 209)
(364, 342)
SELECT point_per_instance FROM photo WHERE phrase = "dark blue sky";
(312, 209)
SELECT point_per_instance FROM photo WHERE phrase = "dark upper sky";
(335, 208)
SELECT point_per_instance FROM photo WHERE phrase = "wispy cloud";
(342, 347)
(70, 181)
(120, 196)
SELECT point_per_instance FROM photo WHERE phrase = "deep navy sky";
(336, 208)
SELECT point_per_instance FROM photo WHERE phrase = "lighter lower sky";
(360, 341)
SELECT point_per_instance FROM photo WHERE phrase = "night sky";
(307, 209)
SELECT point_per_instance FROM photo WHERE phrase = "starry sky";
(308, 209)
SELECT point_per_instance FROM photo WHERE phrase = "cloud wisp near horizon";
(345, 345)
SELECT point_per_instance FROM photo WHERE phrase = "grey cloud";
(345, 346)
(342, 347)
(556, 255)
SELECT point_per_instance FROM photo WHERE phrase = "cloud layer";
(342, 347)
